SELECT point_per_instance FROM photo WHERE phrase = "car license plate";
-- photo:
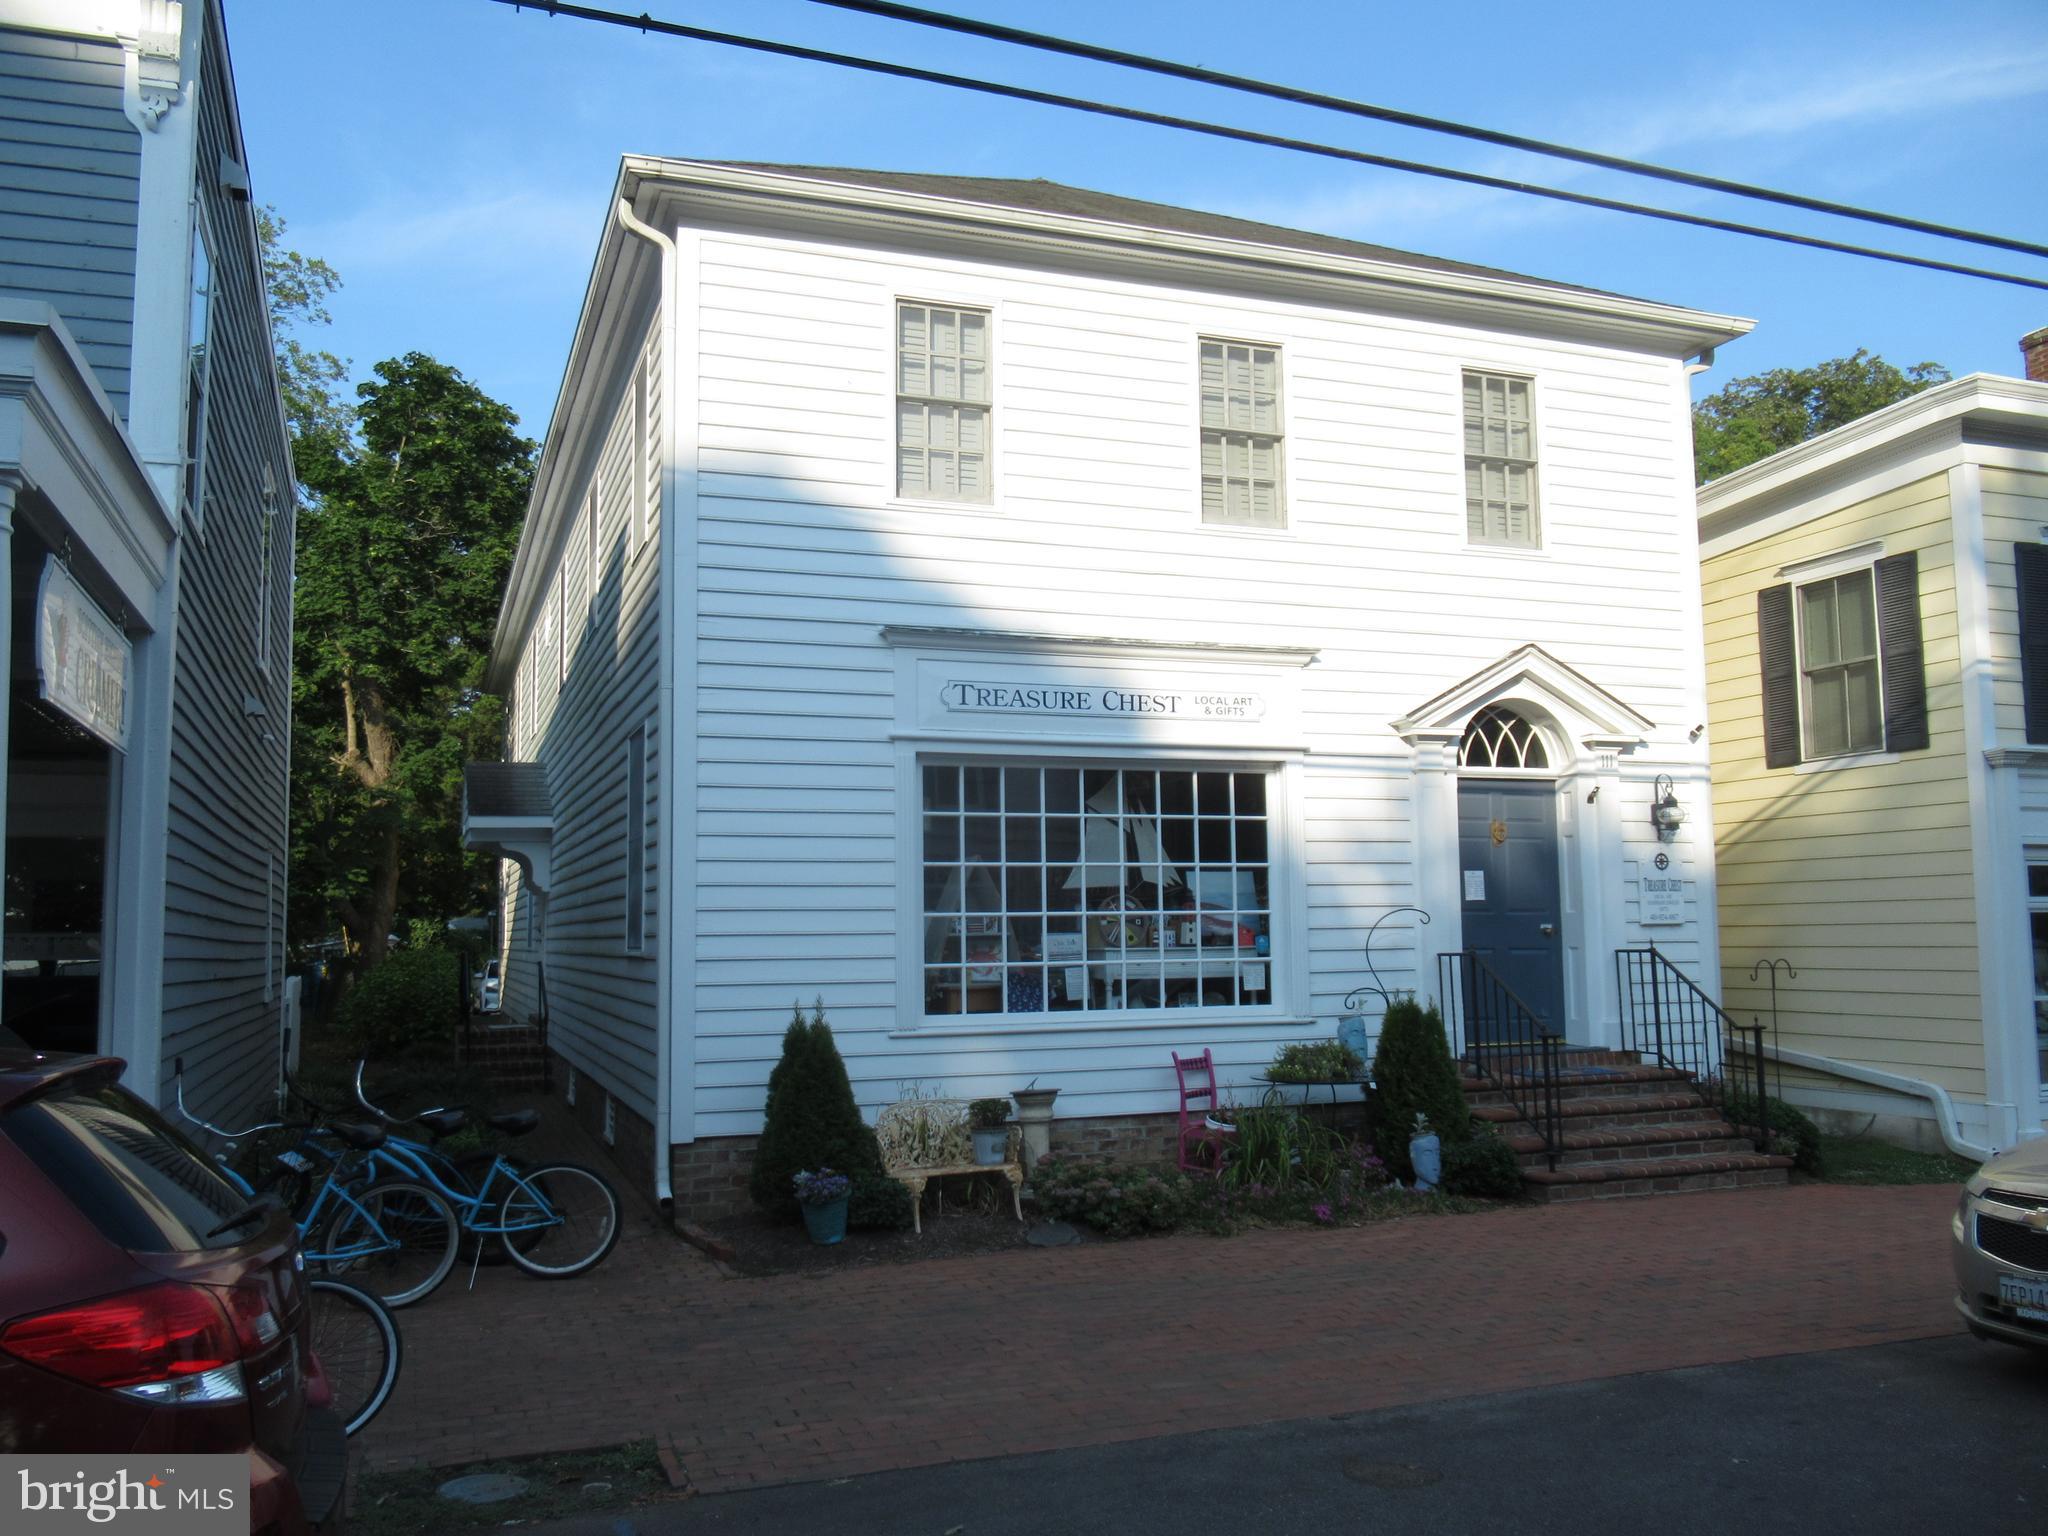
(2029, 1298)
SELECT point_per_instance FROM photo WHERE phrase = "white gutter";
(1944, 1108)
(664, 949)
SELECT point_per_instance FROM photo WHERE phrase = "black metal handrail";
(1500, 1038)
(1666, 1016)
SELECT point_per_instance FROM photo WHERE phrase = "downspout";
(1944, 1108)
(665, 800)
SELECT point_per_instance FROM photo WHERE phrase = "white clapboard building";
(1053, 630)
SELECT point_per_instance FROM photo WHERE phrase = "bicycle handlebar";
(225, 1135)
(386, 1117)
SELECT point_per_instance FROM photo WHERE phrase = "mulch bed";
(763, 1246)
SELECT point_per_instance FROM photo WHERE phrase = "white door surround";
(1585, 730)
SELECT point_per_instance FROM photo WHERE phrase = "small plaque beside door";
(1475, 885)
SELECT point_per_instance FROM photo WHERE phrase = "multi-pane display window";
(942, 403)
(1838, 666)
(1095, 889)
(1500, 461)
(1241, 435)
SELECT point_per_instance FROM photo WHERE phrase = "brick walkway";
(793, 1378)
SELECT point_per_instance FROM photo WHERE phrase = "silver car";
(2001, 1247)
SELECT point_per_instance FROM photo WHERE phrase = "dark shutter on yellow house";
(1778, 647)
(1898, 641)
(2030, 565)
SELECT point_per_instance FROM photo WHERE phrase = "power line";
(1045, 42)
(645, 23)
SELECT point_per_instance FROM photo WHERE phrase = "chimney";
(2034, 348)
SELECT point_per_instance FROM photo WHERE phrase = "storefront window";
(1095, 889)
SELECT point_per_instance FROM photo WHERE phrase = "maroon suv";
(146, 1304)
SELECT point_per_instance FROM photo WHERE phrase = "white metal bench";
(926, 1139)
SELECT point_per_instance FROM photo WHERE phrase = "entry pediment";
(1588, 713)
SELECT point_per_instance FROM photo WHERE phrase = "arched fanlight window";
(1500, 738)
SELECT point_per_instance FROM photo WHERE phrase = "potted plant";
(1222, 1118)
(989, 1120)
(822, 1196)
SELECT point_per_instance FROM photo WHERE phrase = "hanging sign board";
(81, 657)
(1022, 698)
(1661, 890)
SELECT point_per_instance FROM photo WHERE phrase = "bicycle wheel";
(355, 1339)
(395, 1238)
(572, 1211)
(474, 1169)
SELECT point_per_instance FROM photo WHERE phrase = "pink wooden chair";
(1201, 1144)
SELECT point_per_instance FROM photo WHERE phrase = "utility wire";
(645, 23)
(1044, 42)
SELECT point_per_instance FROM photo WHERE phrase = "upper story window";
(1500, 461)
(199, 338)
(1241, 435)
(1844, 664)
(1840, 703)
(942, 403)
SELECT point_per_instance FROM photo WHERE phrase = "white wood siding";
(600, 999)
(1095, 529)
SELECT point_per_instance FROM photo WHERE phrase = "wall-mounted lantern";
(1666, 814)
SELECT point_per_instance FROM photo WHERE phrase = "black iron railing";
(1502, 1041)
(1668, 1019)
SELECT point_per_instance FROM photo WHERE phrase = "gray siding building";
(146, 497)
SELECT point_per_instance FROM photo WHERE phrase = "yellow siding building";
(1881, 809)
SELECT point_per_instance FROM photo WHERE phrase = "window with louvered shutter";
(1500, 461)
(943, 398)
(1838, 681)
(1241, 435)
(1904, 667)
(1778, 651)
(2030, 571)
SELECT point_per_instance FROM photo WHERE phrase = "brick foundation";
(631, 1153)
(710, 1176)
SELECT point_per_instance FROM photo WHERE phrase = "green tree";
(1754, 417)
(403, 551)
(310, 379)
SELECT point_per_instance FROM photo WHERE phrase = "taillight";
(164, 1343)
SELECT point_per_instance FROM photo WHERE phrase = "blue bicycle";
(396, 1237)
(554, 1220)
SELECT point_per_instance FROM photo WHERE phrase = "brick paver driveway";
(757, 1381)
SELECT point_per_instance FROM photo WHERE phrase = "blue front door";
(1507, 851)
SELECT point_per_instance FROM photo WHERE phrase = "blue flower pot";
(827, 1223)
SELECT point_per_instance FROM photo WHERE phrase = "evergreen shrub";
(811, 1119)
(1483, 1166)
(1413, 1074)
(878, 1204)
(1792, 1134)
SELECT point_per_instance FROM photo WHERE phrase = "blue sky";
(452, 158)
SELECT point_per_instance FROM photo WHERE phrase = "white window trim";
(1539, 465)
(1855, 757)
(892, 498)
(1283, 439)
(1287, 886)
(192, 478)
(634, 877)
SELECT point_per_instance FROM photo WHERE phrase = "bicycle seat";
(364, 1138)
(517, 1123)
(442, 1122)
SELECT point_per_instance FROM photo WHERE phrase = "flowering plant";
(822, 1187)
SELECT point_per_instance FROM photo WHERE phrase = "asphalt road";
(1939, 1436)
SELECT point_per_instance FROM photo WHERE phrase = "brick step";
(1646, 1143)
(1569, 1056)
(1585, 1114)
(1578, 1084)
(1657, 1176)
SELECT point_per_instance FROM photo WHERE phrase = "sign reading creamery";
(1112, 702)
(81, 657)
